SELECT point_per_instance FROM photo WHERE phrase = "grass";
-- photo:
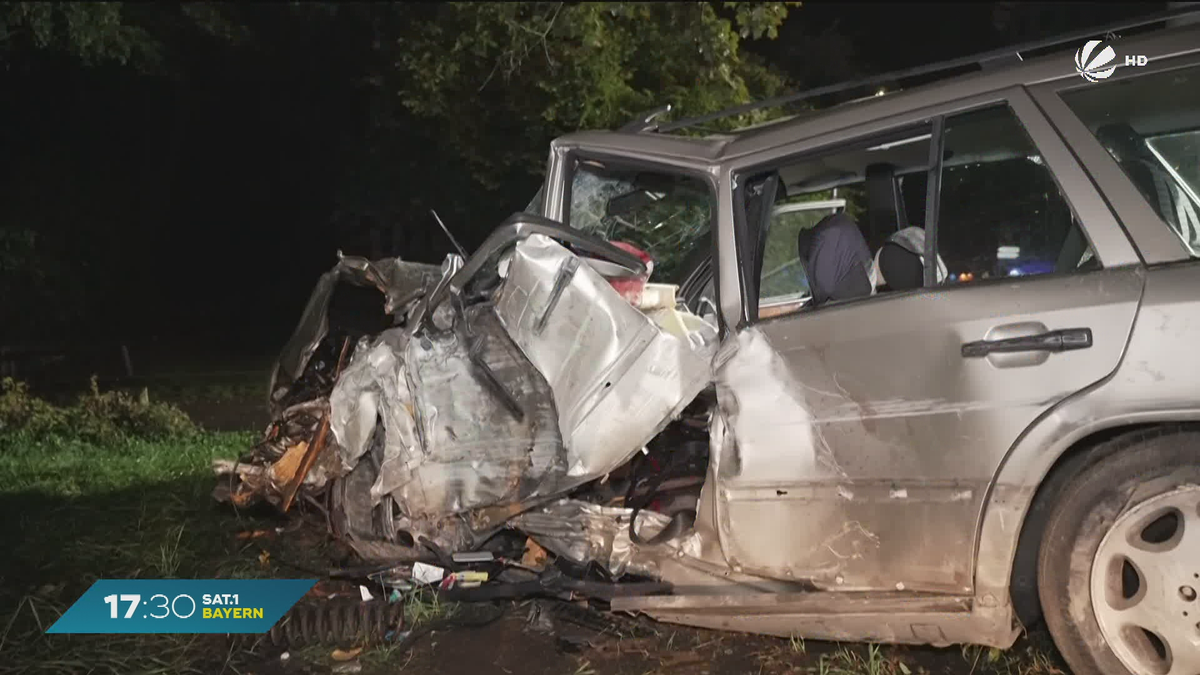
(123, 502)
(422, 605)
(1034, 659)
(846, 661)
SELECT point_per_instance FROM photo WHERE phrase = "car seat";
(836, 259)
(900, 263)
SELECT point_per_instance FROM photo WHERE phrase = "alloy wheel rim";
(1145, 580)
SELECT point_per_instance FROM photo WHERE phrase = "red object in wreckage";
(631, 287)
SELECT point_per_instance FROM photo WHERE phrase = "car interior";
(882, 182)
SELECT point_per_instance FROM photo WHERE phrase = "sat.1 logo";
(1094, 64)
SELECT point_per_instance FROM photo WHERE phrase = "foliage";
(93, 31)
(503, 79)
(110, 417)
(406, 107)
(21, 411)
(98, 32)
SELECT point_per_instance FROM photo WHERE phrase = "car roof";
(1156, 45)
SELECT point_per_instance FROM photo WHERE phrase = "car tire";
(1023, 583)
(1094, 520)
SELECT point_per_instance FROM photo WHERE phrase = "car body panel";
(1154, 384)
(875, 440)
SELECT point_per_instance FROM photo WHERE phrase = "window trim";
(933, 197)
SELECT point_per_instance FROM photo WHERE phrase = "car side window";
(1001, 212)
(828, 215)
(1001, 215)
(1150, 124)
(783, 281)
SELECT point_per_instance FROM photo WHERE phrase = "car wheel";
(1119, 562)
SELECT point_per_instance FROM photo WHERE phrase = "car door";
(858, 439)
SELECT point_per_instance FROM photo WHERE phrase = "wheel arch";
(1015, 513)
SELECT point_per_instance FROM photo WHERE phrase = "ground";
(77, 510)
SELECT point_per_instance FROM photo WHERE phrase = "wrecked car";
(919, 369)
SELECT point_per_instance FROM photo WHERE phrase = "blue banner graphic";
(182, 606)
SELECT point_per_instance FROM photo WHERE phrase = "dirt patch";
(517, 644)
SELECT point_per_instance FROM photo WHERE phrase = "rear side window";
(1150, 124)
(1002, 214)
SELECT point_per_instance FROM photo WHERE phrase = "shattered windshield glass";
(665, 215)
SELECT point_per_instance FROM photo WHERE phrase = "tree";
(99, 32)
(500, 80)
(130, 124)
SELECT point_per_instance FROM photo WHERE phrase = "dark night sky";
(207, 203)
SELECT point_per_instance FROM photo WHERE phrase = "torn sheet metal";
(768, 414)
(400, 282)
(479, 449)
(617, 377)
(472, 405)
(374, 389)
(583, 532)
(269, 471)
(452, 440)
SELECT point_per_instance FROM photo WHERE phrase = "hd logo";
(1094, 64)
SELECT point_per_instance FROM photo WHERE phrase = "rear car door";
(863, 435)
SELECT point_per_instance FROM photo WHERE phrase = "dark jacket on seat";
(836, 259)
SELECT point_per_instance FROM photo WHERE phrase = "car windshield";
(665, 215)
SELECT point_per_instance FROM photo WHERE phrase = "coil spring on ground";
(333, 622)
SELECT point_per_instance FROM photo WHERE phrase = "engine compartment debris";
(528, 423)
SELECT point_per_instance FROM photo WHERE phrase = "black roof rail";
(984, 59)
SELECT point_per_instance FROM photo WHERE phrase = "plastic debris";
(467, 557)
(464, 580)
(427, 574)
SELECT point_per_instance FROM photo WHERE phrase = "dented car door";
(863, 435)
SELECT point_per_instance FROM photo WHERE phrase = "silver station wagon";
(920, 367)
